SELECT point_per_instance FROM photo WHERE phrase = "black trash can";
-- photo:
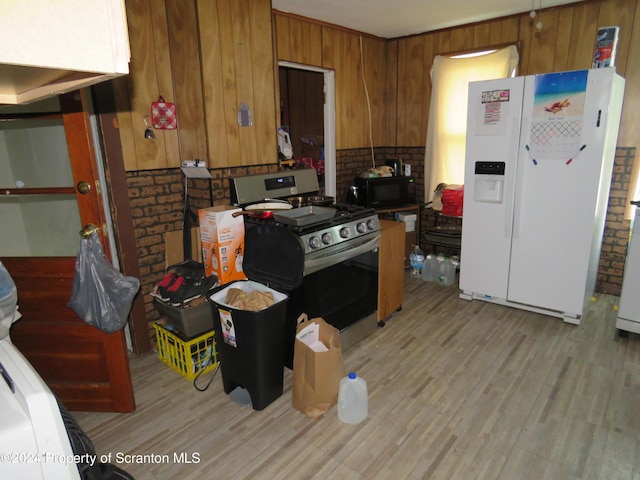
(251, 344)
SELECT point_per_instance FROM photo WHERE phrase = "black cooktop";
(345, 212)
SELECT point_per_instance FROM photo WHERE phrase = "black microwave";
(383, 192)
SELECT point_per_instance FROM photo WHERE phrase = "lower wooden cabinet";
(412, 238)
(391, 268)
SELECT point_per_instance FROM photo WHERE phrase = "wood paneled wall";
(355, 60)
(208, 57)
(398, 71)
(361, 73)
(184, 49)
(165, 61)
(150, 76)
(238, 67)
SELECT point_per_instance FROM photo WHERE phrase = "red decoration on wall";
(163, 115)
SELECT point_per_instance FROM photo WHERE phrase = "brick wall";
(352, 163)
(616, 230)
(156, 198)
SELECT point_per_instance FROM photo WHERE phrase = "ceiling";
(398, 18)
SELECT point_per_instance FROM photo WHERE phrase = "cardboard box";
(222, 238)
(406, 217)
(173, 250)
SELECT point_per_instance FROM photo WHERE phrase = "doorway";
(307, 101)
(51, 184)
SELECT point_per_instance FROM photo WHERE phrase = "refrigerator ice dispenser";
(489, 182)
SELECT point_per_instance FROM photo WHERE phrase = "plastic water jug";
(447, 273)
(284, 144)
(353, 400)
(416, 259)
(430, 268)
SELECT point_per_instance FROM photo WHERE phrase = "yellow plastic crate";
(187, 357)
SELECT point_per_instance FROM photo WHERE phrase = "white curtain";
(446, 133)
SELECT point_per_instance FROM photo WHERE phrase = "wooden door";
(42, 217)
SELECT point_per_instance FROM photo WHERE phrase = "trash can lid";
(273, 256)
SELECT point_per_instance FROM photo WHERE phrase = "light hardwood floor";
(457, 390)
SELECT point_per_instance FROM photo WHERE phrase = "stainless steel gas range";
(333, 260)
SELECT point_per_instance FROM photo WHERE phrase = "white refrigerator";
(628, 319)
(539, 159)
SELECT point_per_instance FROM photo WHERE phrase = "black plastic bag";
(101, 295)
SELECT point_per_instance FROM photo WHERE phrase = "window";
(446, 135)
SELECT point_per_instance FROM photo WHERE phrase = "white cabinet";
(52, 47)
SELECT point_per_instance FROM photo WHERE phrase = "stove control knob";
(361, 227)
(327, 238)
(314, 242)
(344, 232)
(371, 224)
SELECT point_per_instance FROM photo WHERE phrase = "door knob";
(87, 230)
(84, 187)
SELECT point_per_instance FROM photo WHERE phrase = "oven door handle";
(314, 265)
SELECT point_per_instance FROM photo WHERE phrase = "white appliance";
(539, 160)
(628, 319)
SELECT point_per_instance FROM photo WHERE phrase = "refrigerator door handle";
(512, 214)
(518, 177)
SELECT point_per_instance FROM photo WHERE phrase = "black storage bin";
(251, 349)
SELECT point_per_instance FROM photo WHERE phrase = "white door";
(493, 126)
(49, 178)
(562, 189)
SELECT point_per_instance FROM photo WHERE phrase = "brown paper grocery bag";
(317, 374)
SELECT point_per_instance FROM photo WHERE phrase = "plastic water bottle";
(353, 399)
(430, 268)
(447, 272)
(416, 259)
